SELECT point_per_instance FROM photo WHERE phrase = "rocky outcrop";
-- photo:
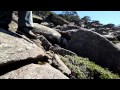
(37, 19)
(102, 31)
(14, 48)
(61, 51)
(56, 20)
(47, 32)
(57, 63)
(35, 71)
(68, 34)
(17, 52)
(45, 43)
(66, 27)
(110, 37)
(22, 58)
(117, 34)
(51, 25)
(96, 48)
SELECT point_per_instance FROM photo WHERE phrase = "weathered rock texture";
(96, 47)
(14, 48)
(35, 71)
(47, 32)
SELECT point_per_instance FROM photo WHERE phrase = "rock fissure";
(10, 66)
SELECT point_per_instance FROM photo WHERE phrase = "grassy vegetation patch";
(82, 68)
(115, 41)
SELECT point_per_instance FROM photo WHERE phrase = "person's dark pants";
(24, 18)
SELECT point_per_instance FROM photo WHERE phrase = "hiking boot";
(27, 31)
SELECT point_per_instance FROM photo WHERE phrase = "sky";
(104, 17)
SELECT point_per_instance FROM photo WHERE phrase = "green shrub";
(82, 68)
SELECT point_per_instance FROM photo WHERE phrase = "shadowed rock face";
(35, 71)
(96, 47)
(14, 48)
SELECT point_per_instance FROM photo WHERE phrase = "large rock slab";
(61, 51)
(47, 32)
(35, 71)
(14, 48)
(58, 64)
(96, 47)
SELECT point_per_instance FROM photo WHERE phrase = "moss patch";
(115, 41)
(82, 68)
